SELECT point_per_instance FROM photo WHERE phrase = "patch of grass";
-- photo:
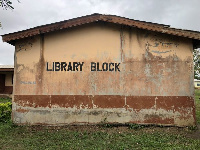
(197, 103)
(18, 137)
(5, 100)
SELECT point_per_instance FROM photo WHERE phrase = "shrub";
(5, 111)
(5, 100)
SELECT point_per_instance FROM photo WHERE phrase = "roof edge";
(11, 37)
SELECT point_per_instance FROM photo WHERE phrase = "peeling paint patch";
(21, 110)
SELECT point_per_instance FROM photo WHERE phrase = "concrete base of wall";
(77, 109)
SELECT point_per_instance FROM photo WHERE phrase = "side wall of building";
(104, 73)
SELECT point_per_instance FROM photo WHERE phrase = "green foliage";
(105, 124)
(5, 100)
(196, 56)
(192, 127)
(5, 111)
(135, 126)
(197, 104)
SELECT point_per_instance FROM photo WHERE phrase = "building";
(197, 84)
(6, 80)
(103, 68)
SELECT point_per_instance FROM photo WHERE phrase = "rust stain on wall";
(40, 66)
(122, 42)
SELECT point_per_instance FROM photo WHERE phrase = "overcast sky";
(183, 14)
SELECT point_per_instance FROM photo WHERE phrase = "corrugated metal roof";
(6, 66)
(10, 38)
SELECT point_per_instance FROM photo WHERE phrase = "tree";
(6, 4)
(196, 55)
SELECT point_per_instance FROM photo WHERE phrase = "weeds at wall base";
(192, 128)
(5, 111)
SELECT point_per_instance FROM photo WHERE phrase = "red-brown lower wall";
(181, 105)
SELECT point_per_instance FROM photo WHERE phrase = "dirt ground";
(193, 133)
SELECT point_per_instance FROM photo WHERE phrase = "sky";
(184, 14)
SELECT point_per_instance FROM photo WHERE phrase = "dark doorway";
(2, 83)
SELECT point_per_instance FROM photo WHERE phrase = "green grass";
(197, 104)
(13, 137)
(99, 137)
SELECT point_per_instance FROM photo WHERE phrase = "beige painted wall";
(153, 66)
(8, 79)
(102, 44)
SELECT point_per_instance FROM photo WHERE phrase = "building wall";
(8, 79)
(152, 82)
